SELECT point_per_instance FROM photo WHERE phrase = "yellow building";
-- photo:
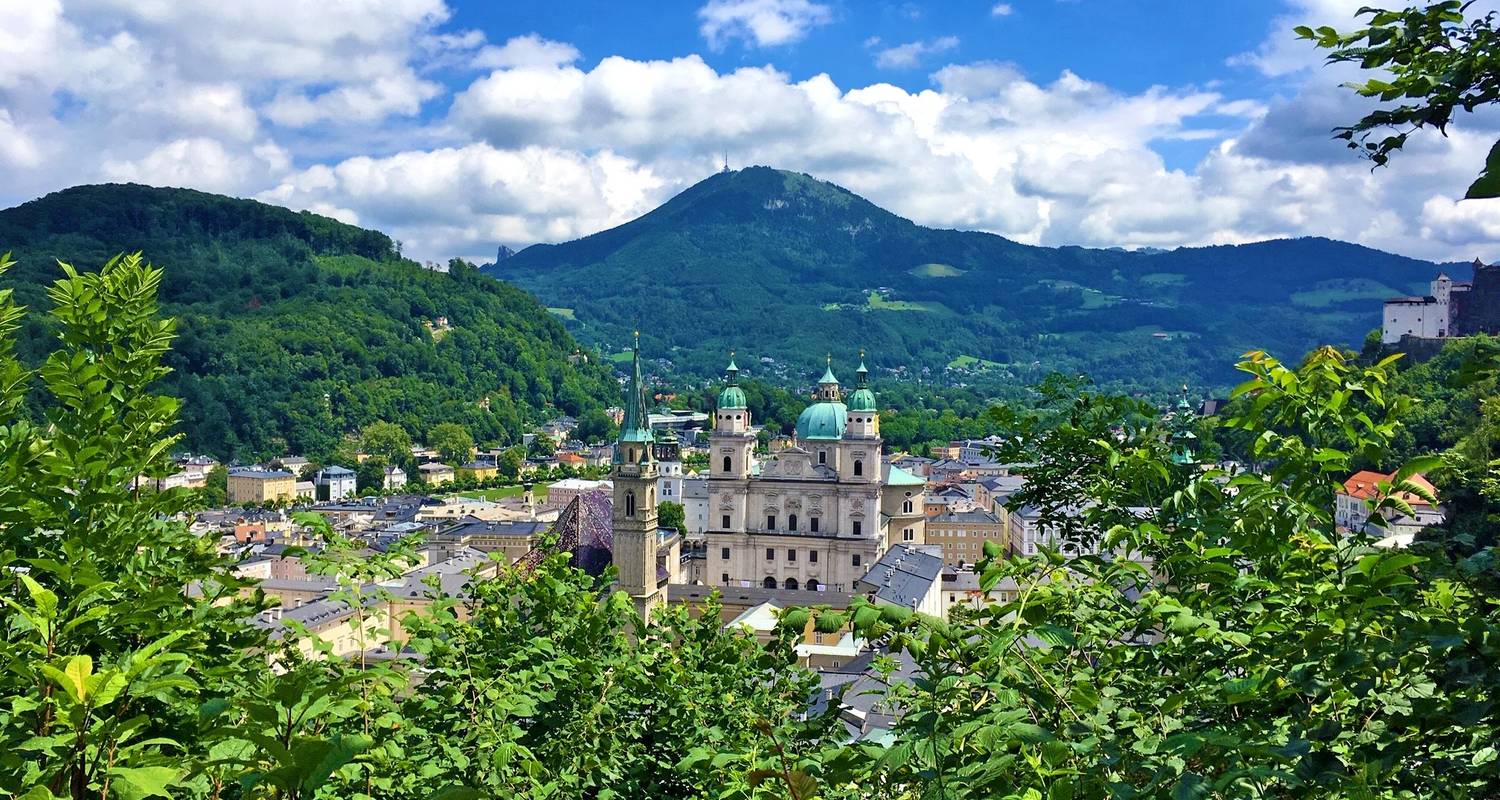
(436, 474)
(261, 486)
(479, 470)
(962, 534)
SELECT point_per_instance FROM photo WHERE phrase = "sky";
(460, 126)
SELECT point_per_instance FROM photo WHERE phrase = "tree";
(1433, 62)
(670, 514)
(511, 461)
(452, 441)
(215, 491)
(541, 447)
(595, 427)
(370, 475)
(386, 439)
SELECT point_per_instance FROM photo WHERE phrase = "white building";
(336, 482)
(1425, 317)
(816, 515)
(669, 468)
(395, 478)
(695, 504)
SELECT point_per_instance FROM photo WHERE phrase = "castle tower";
(864, 418)
(828, 386)
(731, 445)
(634, 515)
(1442, 290)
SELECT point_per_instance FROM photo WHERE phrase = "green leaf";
(1487, 186)
(44, 599)
(135, 783)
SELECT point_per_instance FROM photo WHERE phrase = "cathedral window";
(812, 584)
(812, 556)
(813, 524)
(770, 522)
(769, 582)
(856, 559)
(906, 507)
(725, 526)
(791, 583)
(791, 522)
(724, 553)
(727, 463)
(859, 467)
(630, 504)
(791, 555)
(857, 527)
(822, 456)
(770, 554)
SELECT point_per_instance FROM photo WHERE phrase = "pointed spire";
(828, 373)
(862, 372)
(732, 370)
(635, 427)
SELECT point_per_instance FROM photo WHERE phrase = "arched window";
(791, 522)
(768, 583)
(727, 462)
(630, 504)
(859, 467)
(791, 583)
(812, 584)
(906, 507)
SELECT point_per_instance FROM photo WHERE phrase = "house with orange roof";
(1352, 512)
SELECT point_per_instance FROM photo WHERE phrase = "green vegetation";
(1432, 61)
(937, 271)
(538, 493)
(711, 261)
(1264, 654)
(295, 331)
(1352, 290)
(876, 301)
(565, 313)
(973, 362)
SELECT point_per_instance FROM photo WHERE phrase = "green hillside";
(782, 265)
(295, 329)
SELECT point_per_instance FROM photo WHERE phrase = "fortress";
(1454, 308)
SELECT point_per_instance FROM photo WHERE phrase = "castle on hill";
(1454, 308)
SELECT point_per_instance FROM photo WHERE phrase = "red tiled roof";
(1365, 485)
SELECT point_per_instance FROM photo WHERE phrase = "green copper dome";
(863, 399)
(822, 421)
(732, 396)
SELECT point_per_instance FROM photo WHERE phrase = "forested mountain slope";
(782, 265)
(294, 328)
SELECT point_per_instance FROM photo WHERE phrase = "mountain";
(784, 266)
(501, 254)
(294, 329)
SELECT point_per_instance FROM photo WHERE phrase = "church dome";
(862, 400)
(822, 421)
(732, 397)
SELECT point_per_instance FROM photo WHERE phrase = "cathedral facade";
(816, 515)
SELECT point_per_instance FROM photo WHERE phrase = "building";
(436, 474)
(513, 538)
(1452, 308)
(695, 504)
(906, 576)
(669, 465)
(561, 493)
(1351, 510)
(646, 557)
(261, 486)
(479, 470)
(395, 478)
(962, 534)
(335, 483)
(815, 515)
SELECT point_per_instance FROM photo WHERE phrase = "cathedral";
(816, 515)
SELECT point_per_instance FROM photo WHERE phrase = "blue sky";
(459, 126)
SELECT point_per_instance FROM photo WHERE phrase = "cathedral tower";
(864, 419)
(731, 445)
(635, 483)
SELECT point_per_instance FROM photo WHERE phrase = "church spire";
(635, 426)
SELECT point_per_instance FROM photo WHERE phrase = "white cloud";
(910, 55)
(1001, 10)
(530, 50)
(763, 23)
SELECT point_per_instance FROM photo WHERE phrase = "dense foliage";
(1432, 61)
(783, 266)
(296, 330)
(1260, 654)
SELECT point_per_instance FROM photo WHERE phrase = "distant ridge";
(783, 265)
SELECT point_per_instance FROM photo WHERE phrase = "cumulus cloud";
(1001, 10)
(530, 50)
(910, 55)
(762, 23)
